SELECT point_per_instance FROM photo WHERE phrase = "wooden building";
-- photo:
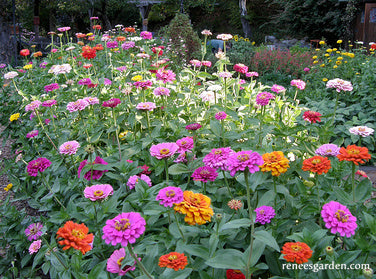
(365, 25)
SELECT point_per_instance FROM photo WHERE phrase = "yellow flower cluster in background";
(14, 117)
(137, 78)
(9, 186)
(28, 67)
(237, 39)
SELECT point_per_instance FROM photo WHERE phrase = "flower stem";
(166, 169)
(276, 194)
(53, 252)
(87, 134)
(335, 108)
(226, 182)
(140, 265)
(247, 275)
(318, 196)
(353, 180)
(178, 224)
(117, 133)
(49, 188)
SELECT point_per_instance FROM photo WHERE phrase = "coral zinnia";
(173, 260)
(317, 164)
(339, 219)
(234, 274)
(298, 252)
(75, 236)
(354, 154)
(196, 208)
(275, 162)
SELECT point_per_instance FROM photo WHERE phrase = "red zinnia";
(98, 47)
(234, 274)
(24, 52)
(317, 164)
(354, 154)
(373, 47)
(173, 260)
(97, 27)
(312, 116)
(88, 52)
(298, 252)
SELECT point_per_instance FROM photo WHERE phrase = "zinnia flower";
(33, 105)
(363, 131)
(94, 174)
(278, 88)
(328, 149)
(133, 180)
(114, 263)
(24, 52)
(69, 147)
(339, 85)
(112, 103)
(193, 126)
(264, 214)
(339, 219)
(75, 236)
(150, 106)
(355, 154)
(196, 208)
(263, 98)
(220, 115)
(163, 150)
(235, 204)
(165, 75)
(204, 174)
(98, 192)
(38, 165)
(276, 162)
(49, 103)
(312, 116)
(173, 260)
(252, 74)
(32, 134)
(10, 75)
(14, 117)
(317, 164)
(35, 246)
(146, 35)
(241, 68)
(217, 158)
(298, 252)
(234, 274)
(80, 104)
(244, 159)
(169, 196)
(185, 144)
(161, 91)
(298, 83)
(34, 231)
(124, 228)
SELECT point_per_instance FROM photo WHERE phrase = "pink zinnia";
(49, 103)
(38, 165)
(217, 158)
(91, 100)
(85, 81)
(150, 106)
(112, 44)
(195, 63)
(80, 104)
(33, 105)
(124, 228)
(69, 147)
(146, 35)
(32, 134)
(164, 150)
(35, 246)
(96, 174)
(34, 231)
(207, 64)
(278, 88)
(185, 144)
(241, 68)
(161, 91)
(298, 83)
(98, 192)
(165, 75)
(339, 85)
(252, 74)
(112, 103)
(143, 84)
(225, 74)
(193, 126)
(134, 179)
(264, 214)
(114, 263)
(244, 159)
(263, 98)
(51, 87)
(339, 219)
(63, 29)
(168, 196)
(220, 115)
(312, 116)
(128, 45)
(204, 174)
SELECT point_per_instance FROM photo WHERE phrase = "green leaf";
(227, 259)
(235, 224)
(348, 256)
(180, 274)
(371, 222)
(257, 250)
(266, 198)
(267, 239)
(216, 127)
(96, 137)
(363, 189)
(196, 250)
(46, 267)
(178, 169)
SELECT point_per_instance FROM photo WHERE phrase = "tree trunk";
(245, 24)
(7, 47)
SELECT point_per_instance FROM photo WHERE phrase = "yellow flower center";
(170, 193)
(68, 147)
(122, 224)
(164, 151)
(296, 248)
(204, 172)
(237, 271)
(353, 151)
(243, 157)
(119, 261)
(218, 152)
(172, 258)
(361, 129)
(262, 212)
(341, 216)
(98, 193)
(316, 161)
(78, 233)
(183, 142)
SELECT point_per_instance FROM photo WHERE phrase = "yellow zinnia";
(335, 67)
(322, 65)
(322, 42)
(9, 186)
(196, 208)
(324, 79)
(314, 57)
(275, 162)
(339, 58)
(28, 67)
(339, 42)
(14, 117)
(338, 62)
(329, 50)
(137, 78)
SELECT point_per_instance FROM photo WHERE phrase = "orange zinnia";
(130, 29)
(275, 162)
(173, 260)
(354, 154)
(298, 252)
(120, 38)
(317, 164)
(196, 208)
(75, 236)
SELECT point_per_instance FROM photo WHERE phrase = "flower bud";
(89, 149)
(368, 273)
(308, 183)
(329, 250)
(218, 216)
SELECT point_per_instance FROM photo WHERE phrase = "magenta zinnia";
(165, 75)
(34, 231)
(169, 196)
(217, 158)
(114, 263)
(163, 150)
(264, 214)
(204, 174)
(38, 165)
(150, 106)
(124, 228)
(185, 144)
(339, 219)
(112, 103)
(98, 192)
(95, 174)
(244, 159)
(263, 98)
